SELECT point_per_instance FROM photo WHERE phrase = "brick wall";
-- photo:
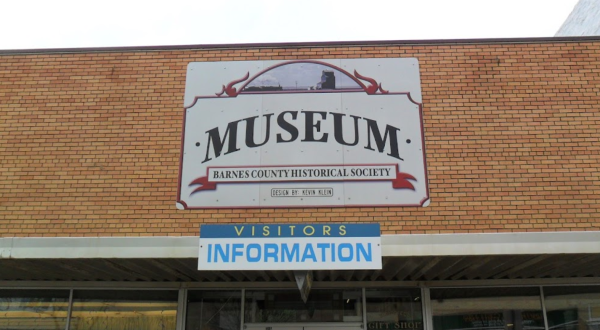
(89, 141)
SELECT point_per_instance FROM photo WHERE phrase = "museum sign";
(303, 133)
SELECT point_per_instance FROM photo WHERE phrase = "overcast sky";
(26, 24)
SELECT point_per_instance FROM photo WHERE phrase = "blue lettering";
(220, 252)
(360, 249)
(289, 252)
(323, 247)
(236, 251)
(309, 252)
(271, 251)
(341, 256)
(285, 252)
(249, 252)
(333, 252)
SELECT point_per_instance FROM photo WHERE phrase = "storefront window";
(25, 309)
(213, 310)
(573, 307)
(487, 308)
(394, 309)
(124, 309)
(280, 306)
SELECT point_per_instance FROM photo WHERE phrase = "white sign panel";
(290, 247)
(344, 132)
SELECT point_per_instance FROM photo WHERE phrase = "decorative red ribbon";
(401, 181)
(206, 185)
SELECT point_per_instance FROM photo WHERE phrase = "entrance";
(283, 309)
(315, 326)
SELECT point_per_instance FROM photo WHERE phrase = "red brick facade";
(90, 140)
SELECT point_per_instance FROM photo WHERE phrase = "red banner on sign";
(304, 173)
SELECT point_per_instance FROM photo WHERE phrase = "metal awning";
(407, 258)
(440, 268)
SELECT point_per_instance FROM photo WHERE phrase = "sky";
(32, 24)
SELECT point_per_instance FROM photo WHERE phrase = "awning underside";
(424, 268)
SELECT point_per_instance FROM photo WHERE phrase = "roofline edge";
(298, 45)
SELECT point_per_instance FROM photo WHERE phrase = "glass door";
(279, 326)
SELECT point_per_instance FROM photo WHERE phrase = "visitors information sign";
(290, 247)
(345, 132)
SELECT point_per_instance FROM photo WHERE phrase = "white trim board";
(98, 247)
(490, 244)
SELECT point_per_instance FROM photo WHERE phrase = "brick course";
(90, 141)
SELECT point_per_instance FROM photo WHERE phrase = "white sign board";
(290, 247)
(345, 132)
